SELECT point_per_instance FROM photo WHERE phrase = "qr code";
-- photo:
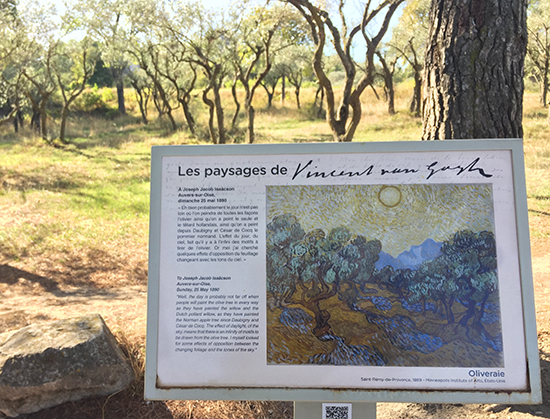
(336, 411)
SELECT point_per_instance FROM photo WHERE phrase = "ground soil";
(118, 292)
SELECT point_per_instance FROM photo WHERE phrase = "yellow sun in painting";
(389, 196)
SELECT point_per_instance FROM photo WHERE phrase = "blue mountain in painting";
(411, 259)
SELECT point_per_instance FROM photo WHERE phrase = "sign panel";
(341, 272)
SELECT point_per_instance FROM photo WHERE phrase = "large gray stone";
(48, 364)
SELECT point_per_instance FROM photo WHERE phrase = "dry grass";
(129, 403)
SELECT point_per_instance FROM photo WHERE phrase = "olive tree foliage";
(8, 29)
(146, 47)
(343, 118)
(538, 45)
(71, 67)
(263, 34)
(8, 43)
(292, 55)
(29, 45)
(9, 7)
(294, 64)
(409, 42)
(40, 60)
(106, 22)
(202, 38)
(163, 59)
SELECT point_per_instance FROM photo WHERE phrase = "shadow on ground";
(12, 276)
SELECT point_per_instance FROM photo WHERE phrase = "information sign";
(365, 271)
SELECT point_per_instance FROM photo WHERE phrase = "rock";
(67, 360)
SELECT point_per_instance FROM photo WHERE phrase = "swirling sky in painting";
(400, 216)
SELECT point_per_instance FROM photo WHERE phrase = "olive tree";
(202, 38)
(106, 21)
(33, 48)
(538, 46)
(344, 118)
(409, 41)
(71, 67)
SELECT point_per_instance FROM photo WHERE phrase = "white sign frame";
(266, 161)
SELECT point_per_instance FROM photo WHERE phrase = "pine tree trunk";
(473, 77)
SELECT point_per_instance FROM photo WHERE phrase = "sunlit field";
(77, 214)
(93, 192)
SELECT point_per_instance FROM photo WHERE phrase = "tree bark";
(63, 124)
(270, 95)
(237, 104)
(183, 93)
(191, 123)
(544, 89)
(43, 121)
(387, 74)
(142, 100)
(343, 118)
(416, 101)
(474, 64)
(250, 114)
(11, 117)
(211, 110)
(320, 112)
(165, 100)
(120, 97)
(219, 113)
(417, 93)
(283, 92)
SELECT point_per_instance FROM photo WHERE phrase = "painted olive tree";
(465, 272)
(305, 269)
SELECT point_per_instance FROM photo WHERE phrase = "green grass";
(82, 196)
(94, 193)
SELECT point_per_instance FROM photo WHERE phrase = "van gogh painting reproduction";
(382, 275)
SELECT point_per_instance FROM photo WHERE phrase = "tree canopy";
(179, 51)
